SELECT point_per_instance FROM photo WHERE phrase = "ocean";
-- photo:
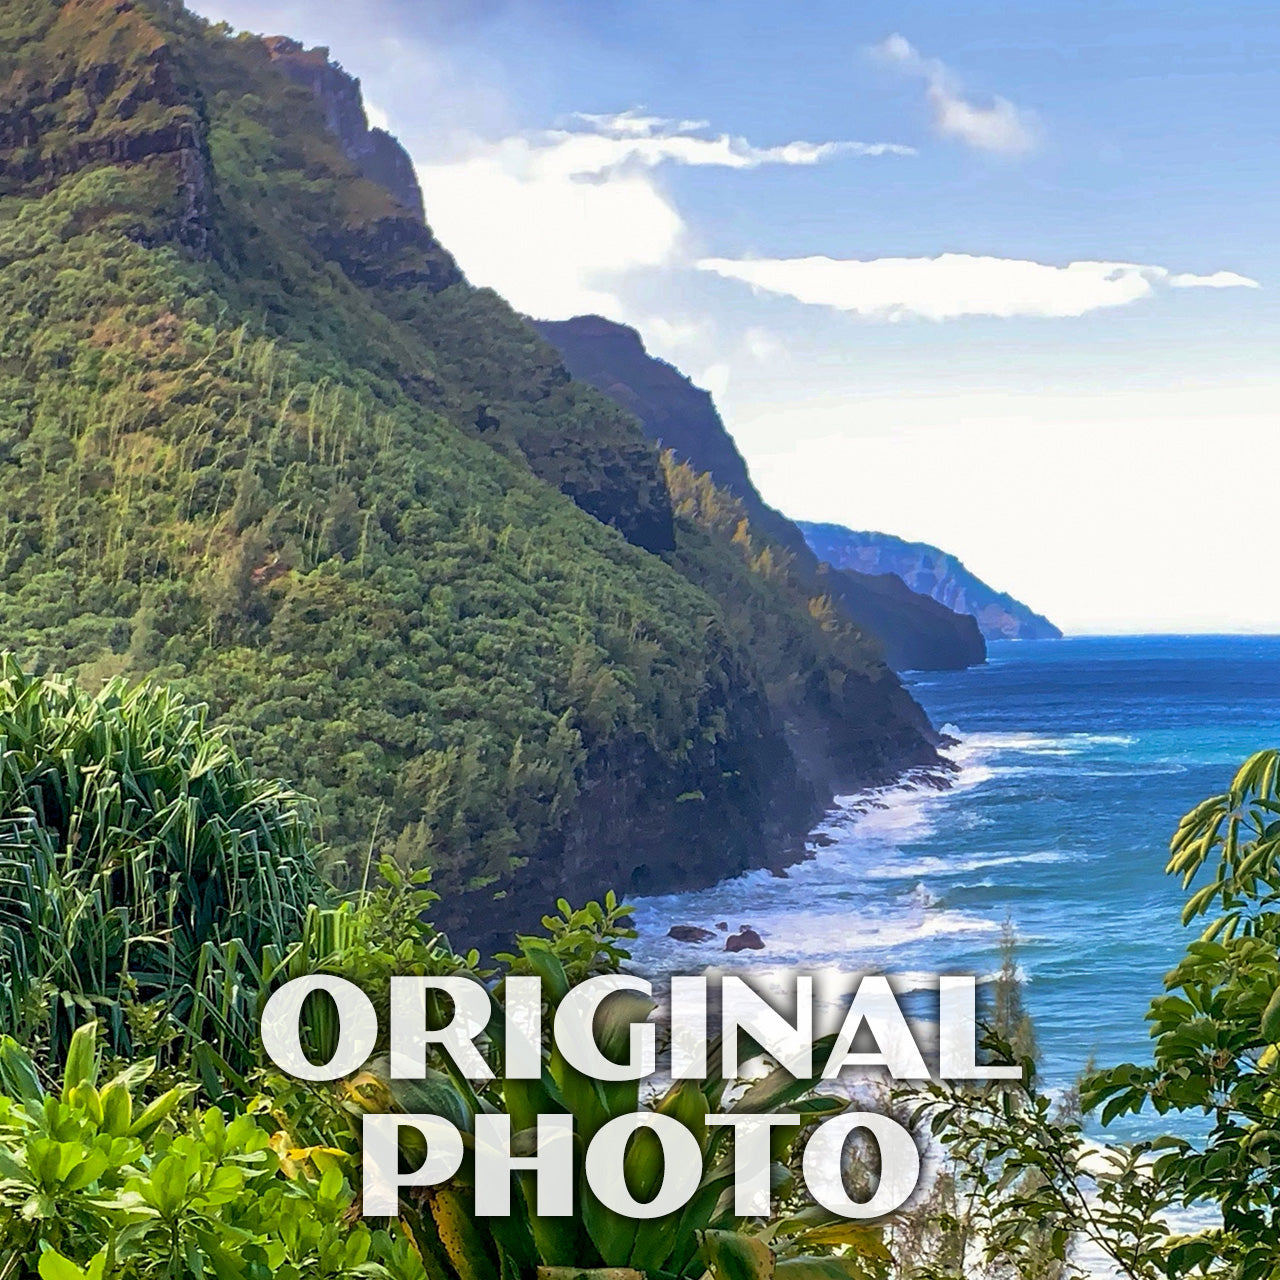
(1076, 760)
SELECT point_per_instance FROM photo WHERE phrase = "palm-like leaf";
(141, 862)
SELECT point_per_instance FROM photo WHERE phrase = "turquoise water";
(1077, 758)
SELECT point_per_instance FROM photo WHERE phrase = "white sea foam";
(885, 888)
(825, 936)
(860, 840)
(922, 896)
(913, 869)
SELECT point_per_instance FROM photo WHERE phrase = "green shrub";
(94, 1183)
(141, 867)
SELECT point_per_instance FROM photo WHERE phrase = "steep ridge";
(377, 155)
(258, 436)
(933, 573)
(916, 631)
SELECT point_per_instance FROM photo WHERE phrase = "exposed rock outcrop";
(377, 155)
(391, 248)
(918, 633)
(672, 410)
(118, 98)
(690, 933)
(607, 472)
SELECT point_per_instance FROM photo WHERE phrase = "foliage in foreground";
(144, 872)
(142, 837)
(1023, 1173)
(1217, 1028)
(94, 1182)
(703, 1235)
(92, 1178)
(1030, 1190)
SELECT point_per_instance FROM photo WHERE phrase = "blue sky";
(1001, 277)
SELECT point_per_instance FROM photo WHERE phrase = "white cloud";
(663, 334)
(762, 345)
(636, 123)
(715, 379)
(960, 284)
(999, 126)
(554, 246)
(629, 136)
(376, 116)
(555, 219)
(1218, 280)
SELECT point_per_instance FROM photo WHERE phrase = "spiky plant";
(142, 866)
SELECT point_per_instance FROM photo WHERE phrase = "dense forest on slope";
(837, 698)
(917, 631)
(258, 436)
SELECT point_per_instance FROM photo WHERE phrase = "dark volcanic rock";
(629, 821)
(917, 632)
(689, 933)
(615, 475)
(745, 940)
(394, 252)
(671, 409)
(129, 104)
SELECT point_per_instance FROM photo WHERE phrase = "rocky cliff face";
(931, 572)
(917, 633)
(98, 84)
(521, 404)
(672, 410)
(377, 155)
(644, 825)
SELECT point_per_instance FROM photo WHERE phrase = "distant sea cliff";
(933, 573)
(916, 631)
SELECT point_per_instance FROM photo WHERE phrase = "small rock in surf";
(689, 933)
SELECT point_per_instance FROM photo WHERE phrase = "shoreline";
(710, 906)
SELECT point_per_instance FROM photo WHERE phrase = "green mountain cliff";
(260, 437)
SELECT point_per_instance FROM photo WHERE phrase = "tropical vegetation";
(259, 438)
(139, 863)
(282, 496)
(140, 1138)
(156, 894)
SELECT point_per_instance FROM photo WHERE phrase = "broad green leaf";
(53, 1266)
(1271, 1019)
(732, 1255)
